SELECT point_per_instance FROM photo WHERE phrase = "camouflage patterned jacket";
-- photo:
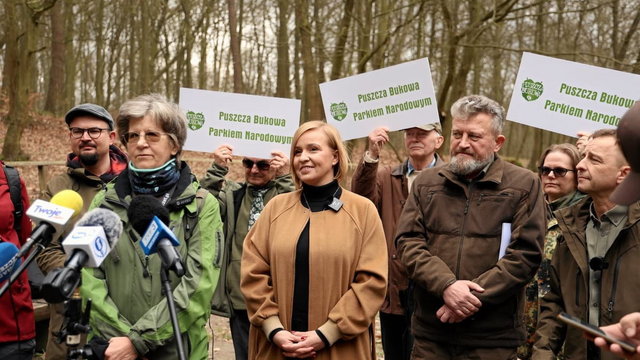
(539, 285)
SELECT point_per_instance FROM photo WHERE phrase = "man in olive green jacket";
(239, 208)
(93, 162)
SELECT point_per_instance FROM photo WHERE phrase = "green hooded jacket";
(126, 288)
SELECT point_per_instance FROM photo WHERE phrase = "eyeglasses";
(149, 136)
(557, 171)
(93, 132)
(261, 164)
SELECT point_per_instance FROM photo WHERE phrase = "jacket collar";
(183, 193)
(76, 170)
(403, 169)
(573, 222)
(576, 217)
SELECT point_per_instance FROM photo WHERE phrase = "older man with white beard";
(470, 237)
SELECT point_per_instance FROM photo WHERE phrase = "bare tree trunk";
(364, 40)
(313, 109)
(238, 86)
(100, 53)
(343, 33)
(70, 63)
(283, 88)
(19, 71)
(55, 91)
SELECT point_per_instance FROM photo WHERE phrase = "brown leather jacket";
(387, 188)
(569, 275)
(450, 230)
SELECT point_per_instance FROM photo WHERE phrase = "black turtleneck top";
(315, 198)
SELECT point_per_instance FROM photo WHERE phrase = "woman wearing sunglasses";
(314, 266)
(557, 169)
(129, 309)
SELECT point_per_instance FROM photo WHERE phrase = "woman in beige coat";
(314, 266)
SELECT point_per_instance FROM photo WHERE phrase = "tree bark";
(283, 88)
(55, 91)
(236, 55)
(313, 109)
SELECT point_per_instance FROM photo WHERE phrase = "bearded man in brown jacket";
(470, 236)
(387, 187)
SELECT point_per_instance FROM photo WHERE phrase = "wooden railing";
(42, 165)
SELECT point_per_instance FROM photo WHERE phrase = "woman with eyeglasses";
(129, 309)
(557, 169)
(240, 206)
(314, 266)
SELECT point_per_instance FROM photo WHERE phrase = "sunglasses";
(261, 164)
(557, 171)
(149, 136)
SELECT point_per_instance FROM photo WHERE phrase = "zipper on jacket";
(614, 285)
(578, 279)
(145, 271)
(464, 221)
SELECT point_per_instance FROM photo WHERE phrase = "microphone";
(51, 217)
(10, 262)
(149, 217)
(598, 263)
(88, 244)
(95, 234)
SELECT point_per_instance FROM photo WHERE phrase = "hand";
(289, 342)
(308, 347)
(628, 329)
(460, 300)
(377, 138)
(583, 139)
(280, 163)
(223, 155)
(120, 348)
(446, 315)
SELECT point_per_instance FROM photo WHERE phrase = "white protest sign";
(254, 125)
(566, 97)
(398, 97)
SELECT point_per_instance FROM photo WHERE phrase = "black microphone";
(598, 263)
(150, 219)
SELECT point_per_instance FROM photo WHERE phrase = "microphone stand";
(164, 276)
(24, 265)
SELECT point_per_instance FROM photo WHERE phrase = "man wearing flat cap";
(594, 271)
(93, 162)
(388, 188)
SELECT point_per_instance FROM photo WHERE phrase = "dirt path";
(221, 347)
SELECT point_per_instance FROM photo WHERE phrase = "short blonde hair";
(335, 142)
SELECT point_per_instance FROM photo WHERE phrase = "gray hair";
(166, 113)
(471, 105)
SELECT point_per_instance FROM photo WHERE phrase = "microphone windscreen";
(107, 219)
(69, 199)
(8, 260)
(141, 211)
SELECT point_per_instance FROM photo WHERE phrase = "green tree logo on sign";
(531, 90)
(339, 111)
(195, 120)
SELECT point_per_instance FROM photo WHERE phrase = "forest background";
(57, 53)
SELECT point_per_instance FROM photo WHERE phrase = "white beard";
(463, 167)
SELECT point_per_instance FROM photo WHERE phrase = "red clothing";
(16, 309)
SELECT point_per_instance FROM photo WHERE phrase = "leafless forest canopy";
(56, 53)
